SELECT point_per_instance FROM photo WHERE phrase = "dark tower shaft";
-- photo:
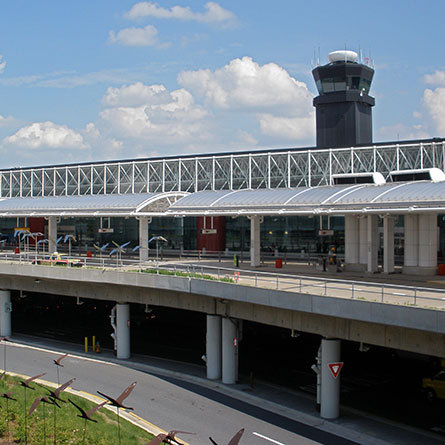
(343, 107)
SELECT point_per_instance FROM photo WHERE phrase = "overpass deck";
(399, 316)
(426, 292)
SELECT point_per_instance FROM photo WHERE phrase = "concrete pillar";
(143, 238)
(52, 234)
(123, 330)
(363, 243)
(255, 235)
(5, 313)
(373, 243)
(388, 244)
(352, 242)
(229, 351)
(330, 386)
(427, 243)
(213, 346)
(411, 243)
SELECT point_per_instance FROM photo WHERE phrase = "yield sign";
(335, 368)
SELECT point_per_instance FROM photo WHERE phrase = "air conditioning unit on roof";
(359, 178)
(420, 174)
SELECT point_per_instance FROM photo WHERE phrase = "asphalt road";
(170, 403)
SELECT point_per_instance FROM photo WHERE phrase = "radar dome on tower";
(343, 56)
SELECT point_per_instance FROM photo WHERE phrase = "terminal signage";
(335, 368)
(325, 232)
(106, 230)
(208, 231)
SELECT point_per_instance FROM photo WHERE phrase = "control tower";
(343, 107)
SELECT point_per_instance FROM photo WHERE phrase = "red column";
(36, 225)
(211, 233)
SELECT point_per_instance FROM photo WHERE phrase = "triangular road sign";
(335, 368)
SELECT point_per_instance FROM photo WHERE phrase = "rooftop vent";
(423, 174)
(358, 178)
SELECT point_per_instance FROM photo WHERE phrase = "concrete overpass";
(406, 318)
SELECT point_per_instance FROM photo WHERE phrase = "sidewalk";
(353, 425)
(302, 268)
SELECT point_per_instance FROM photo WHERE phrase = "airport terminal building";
(347, 192)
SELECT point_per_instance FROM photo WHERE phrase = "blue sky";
(108, 79)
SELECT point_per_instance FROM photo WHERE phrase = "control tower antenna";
(343, 106)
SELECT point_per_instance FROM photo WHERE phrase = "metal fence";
(424, 297)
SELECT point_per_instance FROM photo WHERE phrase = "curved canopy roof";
(144, 204)
(398, 198)
(404, 197)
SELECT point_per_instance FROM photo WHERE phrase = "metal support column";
(363, 243)
(52, 233)
(213, 346)
(330, 385)
(229, 350)
(352, 242)
(143, 238)
(123, 330)
(411, 244)
(5, 313)
(428, 243)
(388, 244)
(255, 236)
(373, 243)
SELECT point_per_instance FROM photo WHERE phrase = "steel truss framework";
(275, 169)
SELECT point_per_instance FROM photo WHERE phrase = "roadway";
(170, 402)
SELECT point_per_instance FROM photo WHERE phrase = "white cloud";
(291, 128)
(72, 79)
(281, 104)
(214, 13)
(151, 113)
(46, 135)
(437, 78)
(8, 121)
(400, 132)
(245, 85)
(2, 64)
(92, 131)
(246, 138)
(434, 101)
(135, 95)
(147, 36)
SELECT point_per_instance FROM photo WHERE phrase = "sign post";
(330, 383)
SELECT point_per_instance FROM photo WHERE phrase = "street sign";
(325, 232)
(335, 368)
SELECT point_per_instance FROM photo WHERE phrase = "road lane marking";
(268, 438)
(51, 351)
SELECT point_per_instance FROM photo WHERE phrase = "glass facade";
(287, 233)
(293, 234)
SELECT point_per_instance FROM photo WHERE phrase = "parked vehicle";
(434, 387)
(57, 259)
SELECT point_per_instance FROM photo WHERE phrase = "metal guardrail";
(424, 297)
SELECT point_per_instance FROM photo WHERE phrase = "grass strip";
(225, 279)
(69, 427)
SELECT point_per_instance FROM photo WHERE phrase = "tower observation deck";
(343, 107)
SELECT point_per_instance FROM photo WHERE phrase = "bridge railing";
(425, 297)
